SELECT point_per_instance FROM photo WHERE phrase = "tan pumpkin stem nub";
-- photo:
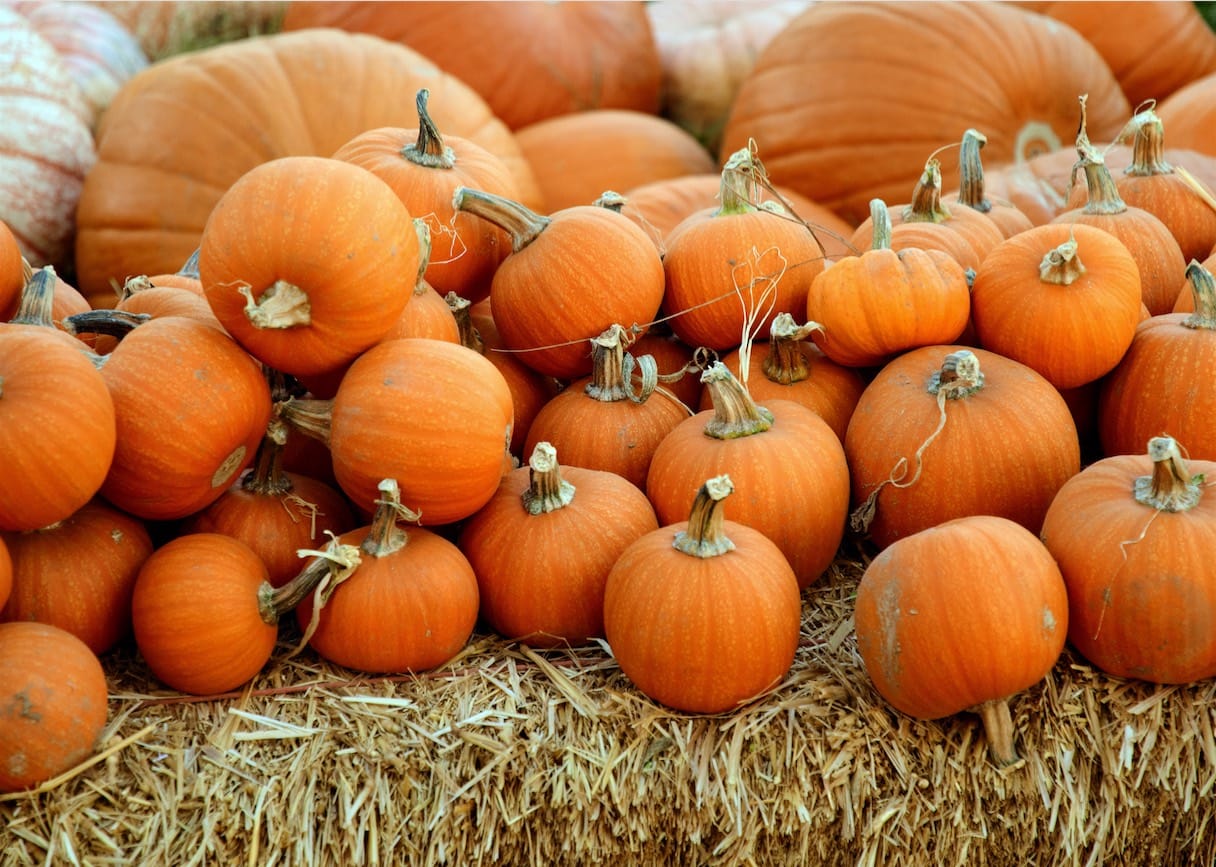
(786, 361)
(1203, 290)
(470, 337)
(423, 231)
(267, 476)
(998, 729)
(611, 200)
(971, 172)
(1062, 266)
(704, 537)
(283, 305)
(740, 178)
(960, 376)
(36, 300)
(1148, 147)
(385, 537)
(517, 220)
(429, 150)
(612, 370)
(547, 490)
(1171, 487)
(312, 418)
(1104, 196)
(735, 413)
(926, 205)
(880, 225)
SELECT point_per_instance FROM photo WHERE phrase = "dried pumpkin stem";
(547, 490)
(311, 417)
(1062, 266)
(423, 231)
(1171, 487)
(36, 300)
(115, 323)
(612, 369)
(926, 205)
(267, 476)
(274, 602)
(786, 361)
(470, 337)
(385, 537)
(1148, 147)
(517, 220)
(735, 413)
(971, 172)
(880, 225)
(737, 190)
(704, 537)
(283, 305)
(429, 150)
(998, 729)
(1203, 290)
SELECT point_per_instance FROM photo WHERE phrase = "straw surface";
(509, 756)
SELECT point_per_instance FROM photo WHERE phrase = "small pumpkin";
(53, 696)
(936, 641)
(703, 614)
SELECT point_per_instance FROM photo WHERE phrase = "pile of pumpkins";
(362, 328)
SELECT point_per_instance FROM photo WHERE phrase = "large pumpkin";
(848, 101)
(181, 132)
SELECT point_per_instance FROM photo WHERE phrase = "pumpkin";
(145, 204)
(845, 101)
(874, 306)
(46, 146)
(437, 415)
(191, 407)
(424, 168)
(528, 60)
(973, 193)
(944, 432)
(428, 313)
(1133, 535)
(792, 463)
(703, 614)
(789, 366)
(608, 421)
(275, 512)
(98, 50)
(78, 573)
(170, 27)
(962, 616)
(1164, 381)
(204, 616)
(12, 272)
(1063, 298)
(575, 157)
(707, 47)
(570, 275)
(543, 545)
(52, 703)
(731, 269)
(1150, 242)
(55, 413)
(408, 604)
(6, 573)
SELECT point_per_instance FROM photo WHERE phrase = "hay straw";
(509, 755)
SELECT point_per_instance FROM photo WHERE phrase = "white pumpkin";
(46, 146)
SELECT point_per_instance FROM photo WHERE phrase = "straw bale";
(512, 756)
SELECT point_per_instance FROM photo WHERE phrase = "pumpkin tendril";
(959, 377)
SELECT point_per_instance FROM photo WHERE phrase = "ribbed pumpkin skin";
(434, 415)
(1070, 334)
(1004, 450)
(53, 415)
(791, 481)
(702, 635)
(937, 640)
(850, 79)
(540, 59)
(12, 277)
(79, 574)
(195, 614)
(46, 147)
(52, 703)
(144, 205)
(1164, 384)
(1141, 587)
(541, 577)
(412, 610)
(6, 573)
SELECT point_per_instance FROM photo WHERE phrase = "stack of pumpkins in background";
(613, 332)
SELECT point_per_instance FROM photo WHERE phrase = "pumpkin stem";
(786, 361)
(115, 323)
(134, 285)
(337, 563)
(1104, 196)
(998, 728)
(1148, 146)
(283, 305)
(470, 337)
(611, 200)
(880, 224)
(1203, 290)
(516, 219)
(612, 369)
(926, 205)
(385, 537)
(1062, 266)
(266, 477)
(37, 296)
(971, 172)
(1171, 487)
(274, 602)
(311, 417)
(704, 537)
(959, 377)
(735, 413)
(737, 191)
(429, 150)
(423, 231)
(547, 490)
